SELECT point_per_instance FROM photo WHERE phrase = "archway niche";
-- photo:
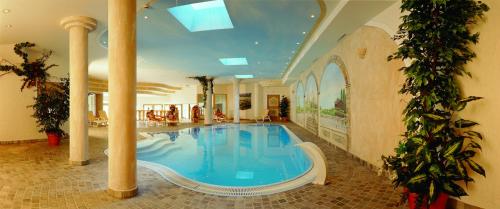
(334, 102)
(299, 104)
(311, 104)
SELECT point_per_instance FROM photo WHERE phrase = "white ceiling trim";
(315, 36)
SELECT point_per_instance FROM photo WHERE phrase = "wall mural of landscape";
(333, 106)
(333, 99)
(299, 105)
(311, 105)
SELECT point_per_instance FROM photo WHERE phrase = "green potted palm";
(284, 108)
(436, 152)
(51, 110)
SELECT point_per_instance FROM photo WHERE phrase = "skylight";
(234, 61)
(203, 16)
(243, 76)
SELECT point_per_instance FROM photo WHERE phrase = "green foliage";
(204, 80)
(438, 146)
(34, 73)
(51, 108)
(284, 107)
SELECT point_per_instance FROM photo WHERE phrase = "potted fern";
(437, 149)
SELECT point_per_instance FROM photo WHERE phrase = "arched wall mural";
(299, 104)
(334, 103)
(311, 104)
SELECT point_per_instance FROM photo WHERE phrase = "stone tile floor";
(37, 176)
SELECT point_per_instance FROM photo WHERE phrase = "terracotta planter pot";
(440, 202)
(54, 139)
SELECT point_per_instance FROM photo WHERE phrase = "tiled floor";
(37, 176)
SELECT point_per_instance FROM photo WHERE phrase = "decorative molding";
(87, 22)
(98, 86)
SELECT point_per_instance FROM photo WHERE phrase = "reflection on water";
(230, 155)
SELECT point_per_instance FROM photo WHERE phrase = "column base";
(81, 163)
(123, 194)
(210, 124)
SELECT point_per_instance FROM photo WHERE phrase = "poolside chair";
(264, 118)
(103, 116)
(93, 121)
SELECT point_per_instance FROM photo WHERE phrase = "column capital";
(87, 22)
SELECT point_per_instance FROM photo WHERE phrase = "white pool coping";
(310, 176)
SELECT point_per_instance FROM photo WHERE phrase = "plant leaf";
(476, 167)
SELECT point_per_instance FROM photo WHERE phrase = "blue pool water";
(228, 155)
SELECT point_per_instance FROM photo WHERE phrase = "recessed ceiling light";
(293, 51)
(5, 11)
(256, 43)
(313, 16)
(243, 76)
(297, 43)
(303, 33)
(8, 26)
(258, 62)
(146, 17)
(234, 61)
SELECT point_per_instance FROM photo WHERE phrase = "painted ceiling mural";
(299, 104)
(311, 104)
(266, 33)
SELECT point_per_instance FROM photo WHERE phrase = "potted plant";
(284, 105)
(437, 149)
(51, 109)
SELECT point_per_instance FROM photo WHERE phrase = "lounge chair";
(103, 116)
(264, 118)
(93, 121)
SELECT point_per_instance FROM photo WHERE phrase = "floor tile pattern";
(34, 175)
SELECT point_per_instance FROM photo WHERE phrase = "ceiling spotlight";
(303, 33)
(8, 26)
(297, 43)
(6, 11)
(146, 17)
(313, 16)
(256, 43)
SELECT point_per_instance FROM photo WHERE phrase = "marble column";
(209, 112)
(78, 27)
(122, 139)
(236, 95)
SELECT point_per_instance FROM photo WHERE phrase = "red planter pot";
(440, 202)
(54, 139)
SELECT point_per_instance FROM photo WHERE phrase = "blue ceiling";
(277, 26)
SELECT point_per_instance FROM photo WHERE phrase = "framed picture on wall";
(245, 101)
(273, 101)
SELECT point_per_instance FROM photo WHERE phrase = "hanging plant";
(204, 80)
(437, 149)
(34, 73)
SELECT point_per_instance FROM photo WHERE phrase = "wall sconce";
(362, 53)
